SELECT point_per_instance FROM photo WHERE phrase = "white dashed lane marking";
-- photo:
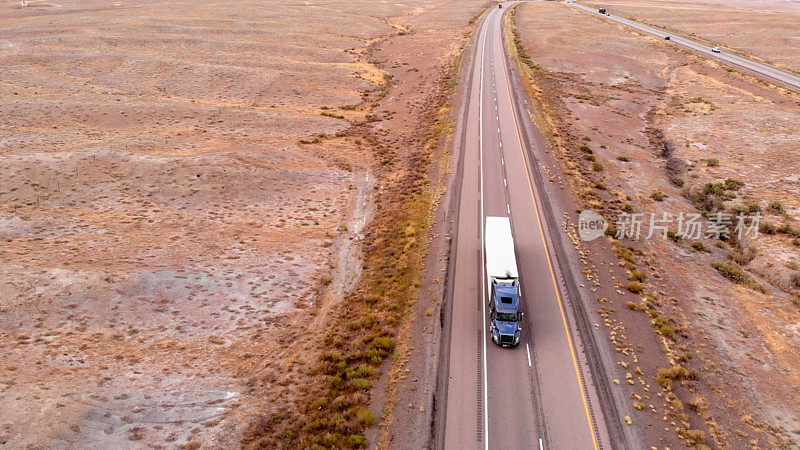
(528, 348)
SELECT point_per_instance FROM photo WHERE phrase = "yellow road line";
(550, 265)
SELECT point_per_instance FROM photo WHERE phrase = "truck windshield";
(507, 317)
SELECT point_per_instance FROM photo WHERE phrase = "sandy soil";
(764, 29)
(744, 343)
(167, 236)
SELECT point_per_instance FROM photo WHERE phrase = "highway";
(770, 73)
(538, 394)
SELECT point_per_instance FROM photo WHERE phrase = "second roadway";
(776, 75)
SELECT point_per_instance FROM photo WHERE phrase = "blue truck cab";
(504, 315)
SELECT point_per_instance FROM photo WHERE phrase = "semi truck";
(502, 282)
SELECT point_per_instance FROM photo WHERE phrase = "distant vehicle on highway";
(501, 269)
(500, 5)
(667, 37)
(602, 10)
(716, 50)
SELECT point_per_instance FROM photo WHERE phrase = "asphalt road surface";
(536, 395)
(768, 72)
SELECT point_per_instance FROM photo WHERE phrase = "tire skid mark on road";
(535, 385)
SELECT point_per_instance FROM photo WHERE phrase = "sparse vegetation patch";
(735, 273)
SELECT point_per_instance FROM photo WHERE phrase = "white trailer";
(501, 263)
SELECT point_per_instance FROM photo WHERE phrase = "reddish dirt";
(167, 235)
(630, 97)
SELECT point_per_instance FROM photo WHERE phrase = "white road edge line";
(483, 271)
(528, 348)
(508, 208)
(504, 182)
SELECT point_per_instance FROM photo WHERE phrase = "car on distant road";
(716, 49)
(667, 37)
(500, 5)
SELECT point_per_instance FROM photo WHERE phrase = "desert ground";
(182, 203)
(190, 194)
(763, 29)
(640, 126)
